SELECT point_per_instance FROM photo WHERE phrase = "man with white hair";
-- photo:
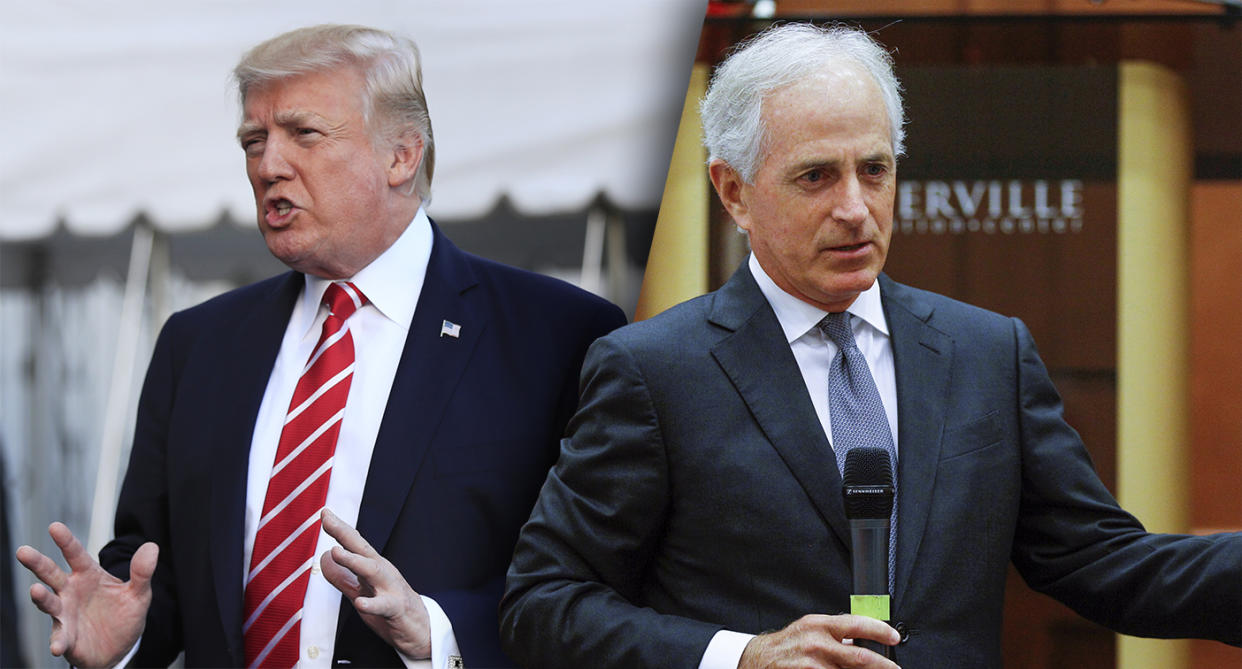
(695, 517)
(389, 383)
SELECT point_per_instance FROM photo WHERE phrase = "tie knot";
(837, 327)
(343, 299)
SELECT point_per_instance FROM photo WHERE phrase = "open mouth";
(278, 211)
(849, 248)
(280, 206)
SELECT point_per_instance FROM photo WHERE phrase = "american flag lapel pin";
(451, 329)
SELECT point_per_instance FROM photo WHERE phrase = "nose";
(849, 208)
(272, 164)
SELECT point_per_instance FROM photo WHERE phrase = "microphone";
(868, 493)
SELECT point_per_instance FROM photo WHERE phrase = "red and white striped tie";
(284, 547)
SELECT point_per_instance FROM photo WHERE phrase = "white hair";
(393, 100)
(733, 129)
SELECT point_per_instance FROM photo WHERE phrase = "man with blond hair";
(330, 467)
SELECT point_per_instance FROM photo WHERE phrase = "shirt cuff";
(444, 652)
(725, 650)
(129, 657)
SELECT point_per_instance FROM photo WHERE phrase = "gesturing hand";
(96, 617)
(818, 641)
(386, 603)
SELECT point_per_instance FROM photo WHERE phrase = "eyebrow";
(813, 163)
(283, 119)
(247, 128)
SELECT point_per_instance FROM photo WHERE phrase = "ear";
(731, 188)
(407, 155)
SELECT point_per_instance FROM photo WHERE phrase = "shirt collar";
(797, 317)
(392, 282)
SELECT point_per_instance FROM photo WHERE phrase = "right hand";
(96, 617)
(819, 641)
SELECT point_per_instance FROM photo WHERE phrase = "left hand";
(386, 603)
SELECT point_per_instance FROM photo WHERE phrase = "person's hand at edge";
(96, 617)
(821, 641)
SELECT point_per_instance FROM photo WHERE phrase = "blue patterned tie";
(857, 414)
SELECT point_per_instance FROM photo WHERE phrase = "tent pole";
(103, 507)
(592, 277)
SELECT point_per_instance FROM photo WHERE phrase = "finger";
(59, 644)
(384, 607)
(859, 627)
(75, 554)
(368, 570)
(45, 600)
(63, 638)
(341, 578)
(42, 566)
(142, 565)
(141, 569)
(862, 658)
(348, 537)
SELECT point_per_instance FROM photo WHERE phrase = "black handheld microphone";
(868, 491)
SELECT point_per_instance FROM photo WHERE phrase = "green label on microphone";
(872, 606)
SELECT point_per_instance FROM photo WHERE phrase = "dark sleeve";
(580, 561)
(1075, 543)
(142, 509)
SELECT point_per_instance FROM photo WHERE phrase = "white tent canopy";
(117, 108)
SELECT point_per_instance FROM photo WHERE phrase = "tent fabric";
(120, 108)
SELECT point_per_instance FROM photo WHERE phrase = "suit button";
(904, 631)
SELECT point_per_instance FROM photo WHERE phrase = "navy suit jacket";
(696, 491)
(469, 432)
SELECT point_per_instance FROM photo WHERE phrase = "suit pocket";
(971, 437)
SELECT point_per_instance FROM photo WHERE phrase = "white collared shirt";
(814, 351)
(392, 284)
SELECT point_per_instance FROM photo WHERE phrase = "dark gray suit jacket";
(696, 491)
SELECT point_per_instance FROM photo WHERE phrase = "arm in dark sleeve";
(1075, 543)
(580, 561)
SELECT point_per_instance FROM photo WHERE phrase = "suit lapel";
(252, 344)
(922, 356)
(761, 366)
(430, 368)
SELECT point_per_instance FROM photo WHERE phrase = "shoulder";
(525, 294)
(949, 315)
(229, 304)
(687, 322)
(229, 308)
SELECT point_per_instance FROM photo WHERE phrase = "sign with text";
(1007, 199)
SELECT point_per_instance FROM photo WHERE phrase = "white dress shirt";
(392, 284)
(814, 351)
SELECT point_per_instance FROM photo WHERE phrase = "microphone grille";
(867, 466)
(868, 483)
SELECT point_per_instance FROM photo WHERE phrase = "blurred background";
(123, 196)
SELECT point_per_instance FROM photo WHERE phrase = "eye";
(253, 146)
(813, 176)
(307, 133)
(875, 169)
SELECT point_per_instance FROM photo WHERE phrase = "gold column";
(1155, 151)
(677, 263)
